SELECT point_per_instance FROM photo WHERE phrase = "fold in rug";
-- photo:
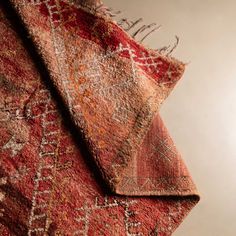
(82, 74)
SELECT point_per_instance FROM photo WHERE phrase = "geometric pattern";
(49, 182)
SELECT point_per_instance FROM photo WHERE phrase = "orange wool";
(83, 148)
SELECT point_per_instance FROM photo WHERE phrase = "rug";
(83, 148)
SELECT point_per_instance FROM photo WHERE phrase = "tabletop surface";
(201, 112)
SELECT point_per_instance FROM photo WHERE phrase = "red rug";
(83, 148)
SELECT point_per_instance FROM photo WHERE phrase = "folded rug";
(83, 148)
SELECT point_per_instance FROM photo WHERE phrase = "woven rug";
(83, 148)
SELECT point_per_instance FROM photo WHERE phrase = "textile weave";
(83, 148)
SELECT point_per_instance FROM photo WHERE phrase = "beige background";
(201, 111)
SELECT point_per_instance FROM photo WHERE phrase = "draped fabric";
(83, 148)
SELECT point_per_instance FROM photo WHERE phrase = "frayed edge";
(139, 30)
(168, 50)
(134, 28)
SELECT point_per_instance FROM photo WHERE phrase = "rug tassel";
(128, 25)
